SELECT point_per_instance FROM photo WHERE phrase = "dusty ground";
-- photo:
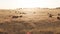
(33, 21)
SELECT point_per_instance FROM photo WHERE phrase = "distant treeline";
(58, 8)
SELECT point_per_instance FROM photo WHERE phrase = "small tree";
(58, 8)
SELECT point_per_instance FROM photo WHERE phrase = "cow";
(50, 15)
(15, 16)
(58, 18)
(20, 16)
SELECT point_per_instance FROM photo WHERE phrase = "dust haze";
(30, 21)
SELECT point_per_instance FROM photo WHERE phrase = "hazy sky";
(28, 3)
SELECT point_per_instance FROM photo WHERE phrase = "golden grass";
(35, 20)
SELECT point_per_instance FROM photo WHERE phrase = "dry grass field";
(30, 21)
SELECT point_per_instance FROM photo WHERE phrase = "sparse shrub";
(3, 33)
(58, 14)
(28, 26)
(42, 32)
(20, 33)
(57, 33)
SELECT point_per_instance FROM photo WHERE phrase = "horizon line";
(31, 7)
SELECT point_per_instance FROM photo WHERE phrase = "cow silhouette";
(58, 18)
(15, 16)
(50, 15)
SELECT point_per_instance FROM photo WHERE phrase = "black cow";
(50, 15)
(20, 16)
(15, 16)
(58, 18)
